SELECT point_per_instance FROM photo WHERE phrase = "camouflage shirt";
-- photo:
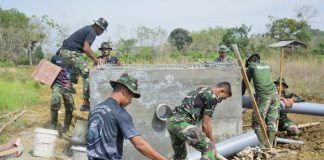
(296, 98)
(196, 104)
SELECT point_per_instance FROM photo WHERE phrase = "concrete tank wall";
(170, 84)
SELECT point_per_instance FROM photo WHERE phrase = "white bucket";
(79, 153)
(44, 142)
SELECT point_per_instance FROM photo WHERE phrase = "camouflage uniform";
(223, 50)
(80, 66)
(59, 91)
(285, 124)
(266, 97)
(182, 122)
(107, 58)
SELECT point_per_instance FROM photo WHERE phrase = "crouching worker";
(110, 123)
(182, 123)
(62, 88)
(285, 124)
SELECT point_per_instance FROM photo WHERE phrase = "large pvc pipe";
(300, 108)
(236, 144)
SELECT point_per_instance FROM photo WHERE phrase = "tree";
(125, 45)
(237, 35)
(207, 40)
(306, 12)
(287, 28)
(180, 38)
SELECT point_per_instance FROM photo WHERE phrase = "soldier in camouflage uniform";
(78, 43)
(182, 123)
(285, 124)
(105, 55)
(62, 88)
(266, 97)
(222, 57)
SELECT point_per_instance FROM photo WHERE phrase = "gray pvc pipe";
(236, 144)
(299, 108)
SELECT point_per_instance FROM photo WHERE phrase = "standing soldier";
(182, 123)
(222, 55)
(78, 43)
(105, 55)
(62, 87)
(266, 97)
(285, 124)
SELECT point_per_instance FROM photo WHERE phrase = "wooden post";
(281, 71)
(254, 104)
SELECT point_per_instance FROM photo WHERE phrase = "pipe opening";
(162, 111)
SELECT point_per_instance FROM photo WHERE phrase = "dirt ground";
(39, 116)
(313, 149)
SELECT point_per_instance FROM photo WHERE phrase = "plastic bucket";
(44, 142)
(79, 153)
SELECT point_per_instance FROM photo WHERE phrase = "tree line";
(22, 38)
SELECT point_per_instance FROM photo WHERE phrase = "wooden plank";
(46, 72)
(248, 88)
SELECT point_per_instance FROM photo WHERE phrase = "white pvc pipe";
(236, 144)
(299, 108)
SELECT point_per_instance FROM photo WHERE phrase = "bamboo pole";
(254, 104)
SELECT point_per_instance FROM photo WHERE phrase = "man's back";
(109, 124)
(196, 104)
(262, 79)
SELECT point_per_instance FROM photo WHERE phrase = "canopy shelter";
(288, 45)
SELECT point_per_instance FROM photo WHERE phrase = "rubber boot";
(260, 138)
(272, 137)
(54, 116)
(67, 122)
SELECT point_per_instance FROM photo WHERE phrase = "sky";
(124, 16)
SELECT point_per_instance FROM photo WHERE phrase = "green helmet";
(102, 23)
(129, 82)
(223, 49)
(105, 45)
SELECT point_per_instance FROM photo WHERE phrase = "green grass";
(17, 89)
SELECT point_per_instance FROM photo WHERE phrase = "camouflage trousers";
(181, 132)
(269, 110)
(285, 124)
(80, 67)
(57, 94)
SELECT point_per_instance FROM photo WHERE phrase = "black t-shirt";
(109, 124)
(76, 41)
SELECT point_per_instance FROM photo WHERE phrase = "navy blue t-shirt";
(109, 124)
(76, 41)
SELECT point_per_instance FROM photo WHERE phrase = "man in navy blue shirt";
(78, 43)
(110, 123)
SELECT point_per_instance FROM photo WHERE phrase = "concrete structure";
(169, 84)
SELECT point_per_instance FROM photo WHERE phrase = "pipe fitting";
(162, 111)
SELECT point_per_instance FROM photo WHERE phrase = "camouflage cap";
(223, 49)
(249, 56)
(129, 82)
(105, 45)
(102, 23)
(283, 82)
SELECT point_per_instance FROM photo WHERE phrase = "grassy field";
(17, 89)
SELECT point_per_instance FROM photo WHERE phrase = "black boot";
(54, 116)
(67, 122)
